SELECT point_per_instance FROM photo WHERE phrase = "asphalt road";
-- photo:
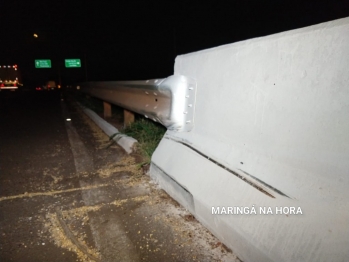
(65, 195)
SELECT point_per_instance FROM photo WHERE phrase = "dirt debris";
(60, 238)
(152, 224)
(127, 164)
(51, 193)
(102, 139)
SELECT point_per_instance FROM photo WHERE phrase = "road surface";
(65, 195)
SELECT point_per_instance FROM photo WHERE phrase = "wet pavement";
(66, 195)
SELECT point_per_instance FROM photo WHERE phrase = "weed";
(148, 134)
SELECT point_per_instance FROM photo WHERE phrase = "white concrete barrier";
(126, 142)
(271, 129)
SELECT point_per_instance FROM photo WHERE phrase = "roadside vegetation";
(147, 132)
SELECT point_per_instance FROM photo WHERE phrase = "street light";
(35, 35)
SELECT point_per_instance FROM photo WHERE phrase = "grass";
(148, 134)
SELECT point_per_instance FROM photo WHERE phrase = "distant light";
(35, 35)
(68, 119)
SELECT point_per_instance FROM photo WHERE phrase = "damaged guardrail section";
(169, 101)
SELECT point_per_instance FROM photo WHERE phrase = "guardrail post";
(129, 117)
(107, 110)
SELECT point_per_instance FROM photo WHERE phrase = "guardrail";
(169, 101)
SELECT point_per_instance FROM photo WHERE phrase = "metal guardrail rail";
(169, 101)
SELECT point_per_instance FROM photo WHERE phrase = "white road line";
(110, 238)
(83, 161)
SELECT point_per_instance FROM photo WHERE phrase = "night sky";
(135, 40)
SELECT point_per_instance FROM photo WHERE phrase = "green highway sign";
(44, 63)
(72, 63)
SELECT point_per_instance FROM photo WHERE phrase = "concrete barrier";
(271, 130)
(126, 142)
